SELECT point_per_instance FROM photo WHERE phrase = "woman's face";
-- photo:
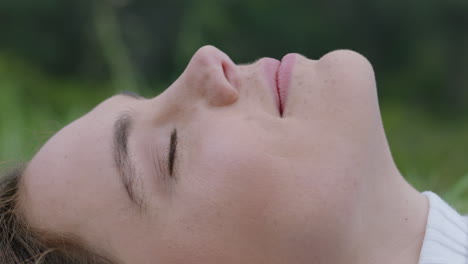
(218, 168)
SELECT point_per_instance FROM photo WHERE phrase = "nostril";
(224, 70)
(229, 71)
(223, 88)
(214, 75)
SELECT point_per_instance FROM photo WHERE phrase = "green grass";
(34, 106)
(431, 153)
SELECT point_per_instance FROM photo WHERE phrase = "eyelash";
(172, 152)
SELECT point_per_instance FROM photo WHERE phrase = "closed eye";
(172, 152)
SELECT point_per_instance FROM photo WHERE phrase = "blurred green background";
(59, 58)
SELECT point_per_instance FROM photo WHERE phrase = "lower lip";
(284, 75)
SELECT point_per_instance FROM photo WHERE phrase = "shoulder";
(446, 238)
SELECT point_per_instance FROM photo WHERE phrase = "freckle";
(65, 157)
(275, 222)
(189, 228)
(248, 118)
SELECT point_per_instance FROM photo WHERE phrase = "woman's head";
(218, 168)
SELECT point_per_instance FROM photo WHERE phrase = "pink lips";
(278, 75)
(284, 78)
(270, 68)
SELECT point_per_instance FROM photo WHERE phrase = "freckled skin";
(317, 185)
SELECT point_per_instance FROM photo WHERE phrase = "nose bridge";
(207, 75)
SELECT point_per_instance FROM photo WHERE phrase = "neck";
(383, 221)
(389, 224)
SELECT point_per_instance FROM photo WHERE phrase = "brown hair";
(22, 244)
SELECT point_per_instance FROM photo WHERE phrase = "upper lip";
(283, 77)
(270, 68)
(278, 88)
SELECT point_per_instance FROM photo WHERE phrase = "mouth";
(278, 75)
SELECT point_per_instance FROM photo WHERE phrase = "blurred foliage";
(59, 58)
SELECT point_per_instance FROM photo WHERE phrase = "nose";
(213, 76)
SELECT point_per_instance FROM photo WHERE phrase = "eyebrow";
(124, 164)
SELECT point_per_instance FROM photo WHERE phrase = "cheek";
(231, 175)
(228, 160)
(221, 209)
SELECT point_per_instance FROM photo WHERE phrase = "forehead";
(67, 144)
(71, 168)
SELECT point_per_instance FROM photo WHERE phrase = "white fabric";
(446, 238)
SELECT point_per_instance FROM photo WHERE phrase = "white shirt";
(446, 238)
